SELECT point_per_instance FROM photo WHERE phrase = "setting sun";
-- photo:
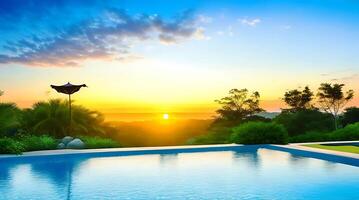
(166, 116)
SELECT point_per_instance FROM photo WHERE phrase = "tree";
(239, 105)
(52, 118)
(9, 118)
(304, 121)
(332, 99)
(350, 116)
(1, 93)
(299, 100)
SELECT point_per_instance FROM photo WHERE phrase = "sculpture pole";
(68, 89)
(70, 114)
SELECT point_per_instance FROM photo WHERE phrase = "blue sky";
(177, 55)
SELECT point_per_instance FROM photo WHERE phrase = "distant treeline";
(307, 117)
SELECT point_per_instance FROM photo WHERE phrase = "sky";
(175, 57)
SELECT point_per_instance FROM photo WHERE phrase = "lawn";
(349, 149)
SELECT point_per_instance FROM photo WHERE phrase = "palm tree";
(52, 118)
(9, 118)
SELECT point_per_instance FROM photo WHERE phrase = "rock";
(61, 146)
(75, 144)
(66, 140)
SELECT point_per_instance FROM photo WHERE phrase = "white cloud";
(110, 36)
(250, 22)
(205, 19)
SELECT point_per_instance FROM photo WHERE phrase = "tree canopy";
(332, 99)
(350, 116)
(52, 118)
(299, 100)
(239, 105)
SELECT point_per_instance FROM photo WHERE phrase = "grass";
(349, 149)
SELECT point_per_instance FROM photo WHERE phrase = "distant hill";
(159, 132)
(269, 115)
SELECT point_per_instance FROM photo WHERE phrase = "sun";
(166, 116)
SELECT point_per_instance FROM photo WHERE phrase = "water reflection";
(67, 174)
(247, 155)
(56, 171)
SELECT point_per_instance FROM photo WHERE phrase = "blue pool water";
(235, 173)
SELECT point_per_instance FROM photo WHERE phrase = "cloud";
(108, 36)
(250, 22)
(205, 19)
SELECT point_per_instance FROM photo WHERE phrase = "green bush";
(350, 116)
(350, 132)
(93, 142)
(310, 137)
(303, 121)
(35, 143)
(217, 135)
(10, 146)
(9, 119)
(259, 133)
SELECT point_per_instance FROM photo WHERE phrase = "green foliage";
(52, 117)
(299, 100)
(17, 145)
(310, 137)
(303, 121)
(218, 135)
(259, 133)
(350, 132)
(350, 116)
(36, 143)
(93, 142)
(9, 118)
(239, 105)
(10, 146)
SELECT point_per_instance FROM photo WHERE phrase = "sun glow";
(166, 116)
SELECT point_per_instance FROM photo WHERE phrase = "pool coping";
(300, 146)
(139, 150)
(114, 150)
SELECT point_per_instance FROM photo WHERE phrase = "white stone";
(66, 140)
(61, 146)
(75, 144)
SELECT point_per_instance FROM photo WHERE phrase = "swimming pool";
(242, 172)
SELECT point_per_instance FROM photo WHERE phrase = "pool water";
(246, 173)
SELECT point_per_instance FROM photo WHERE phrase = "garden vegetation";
(307, 118)
(240, 119)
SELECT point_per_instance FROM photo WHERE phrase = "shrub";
(350, 132)
(310, 137)
(10, 146)
(350, 116)
(9, 119)
(303, 121)
(35, 143)
(217, 135)
(93, 142)
(259, 133)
